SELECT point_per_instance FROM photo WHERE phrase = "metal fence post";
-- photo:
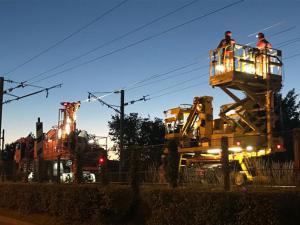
(225, 163)
(296, 146)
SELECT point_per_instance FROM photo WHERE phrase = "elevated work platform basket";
(245, 65)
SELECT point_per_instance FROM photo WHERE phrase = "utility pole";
(39, 150)
(121, 165)
(119, 110)
(1, 103)
(3, 139)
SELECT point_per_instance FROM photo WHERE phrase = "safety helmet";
(228, 33)
(260, 35)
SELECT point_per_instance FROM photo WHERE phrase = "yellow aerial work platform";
(248, 122)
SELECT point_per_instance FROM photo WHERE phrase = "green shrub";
(72, 203)
(189, 207)
(94, 204)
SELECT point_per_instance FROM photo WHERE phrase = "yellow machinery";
(248, 122)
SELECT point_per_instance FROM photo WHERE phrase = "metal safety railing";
(245, 59)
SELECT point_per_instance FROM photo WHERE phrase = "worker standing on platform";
(227, 47)
(262, 59)
(262, 43)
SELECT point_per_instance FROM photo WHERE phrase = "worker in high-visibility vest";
(227, 46)
(262, 43)
(262, 59)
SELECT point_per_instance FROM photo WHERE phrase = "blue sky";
(28, 27)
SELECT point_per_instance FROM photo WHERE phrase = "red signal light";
(238, 143)
(101, 161)
(278, 146)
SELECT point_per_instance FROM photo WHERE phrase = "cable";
(168, 77)
(115, 39)
(67, 37)
(150, 77)
(275, 34)
(292, 56)
(132, 86)
(282, 31)
(91, 96)
(288, 42)
(20, 85)
(33, 93)
(178, 84)
(182, 89)
(266, 28)
(143, 40)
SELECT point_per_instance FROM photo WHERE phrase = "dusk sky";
(31, 26)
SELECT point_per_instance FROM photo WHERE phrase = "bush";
(190, 206)
(72, 203)
(93, 204)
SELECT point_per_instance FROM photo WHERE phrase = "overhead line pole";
(121, 111)
(1, 104)
(121, 165)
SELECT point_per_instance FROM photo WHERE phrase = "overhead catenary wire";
(146, 97)
(266, 28)
(17, 98)
(105, 94)
(292, 56)
(142, 40)
(168, 77)
(98, 18)
(91, 96)
(277, 33)
(176, 91)
(178, 84)
(20, 85)
(115, 39)
(288, 42)
(282, 31)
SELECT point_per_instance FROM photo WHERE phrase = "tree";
(288, 111)
(7, 162)
(141, 132)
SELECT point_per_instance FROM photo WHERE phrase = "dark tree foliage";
(7, 162)
(142, 132)
(287, 110)
(173, 162)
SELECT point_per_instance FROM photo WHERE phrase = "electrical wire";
(115, 39)
(178, 84)
(275, 34)
(17, 98)
(266, 28)
(67, 37)
(150, 77)
(142, 40)
(288, 42)
(181, 89)
(282, 31)
(168, 77)
(292, 56)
